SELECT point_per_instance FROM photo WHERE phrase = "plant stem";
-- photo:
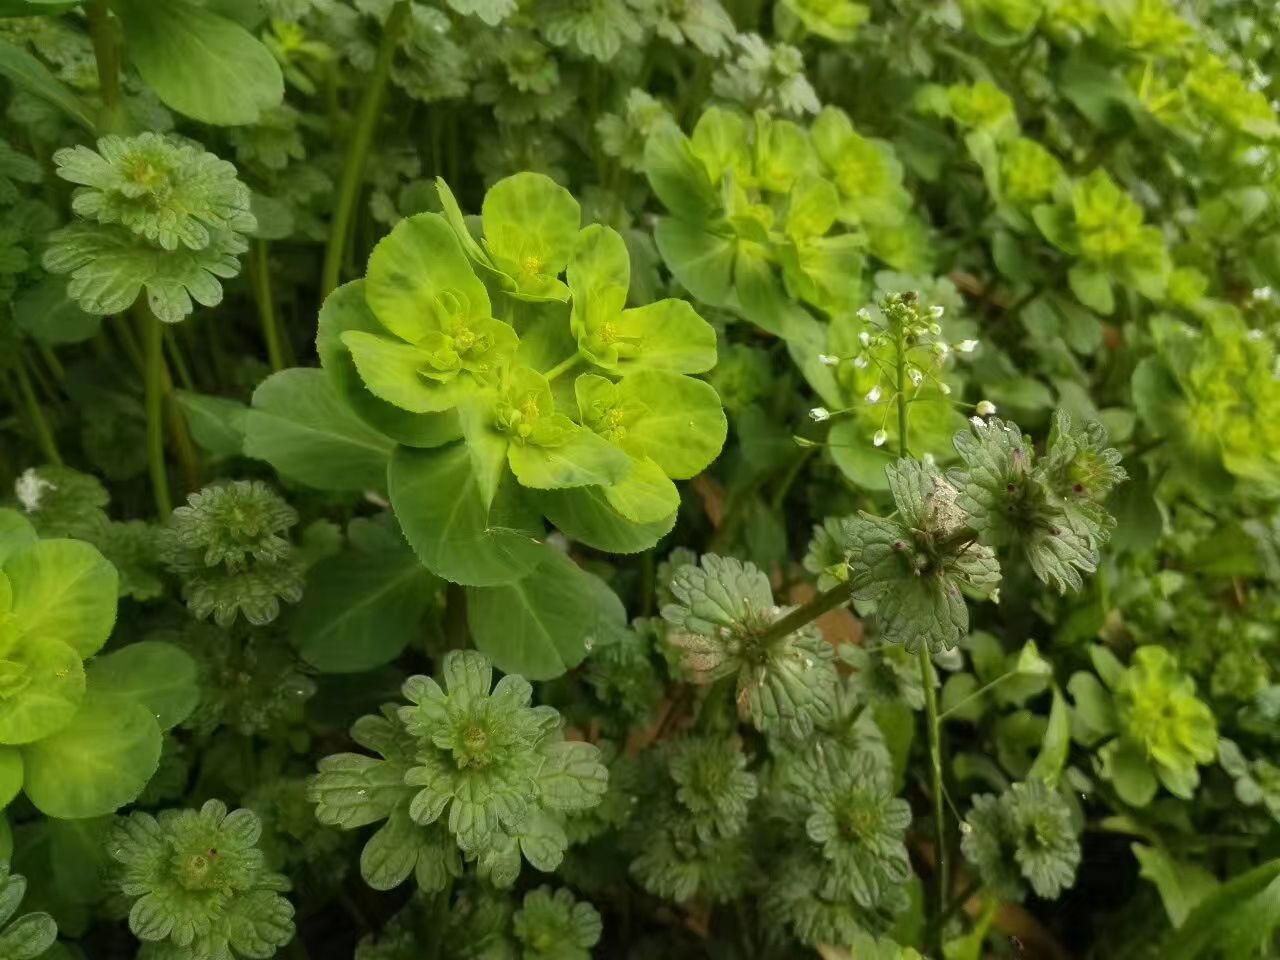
(129, 341)
(153, 335)
(35, 415)
(977, 693)
(107, 54)
(805, 614)
(564, 366)
(927, 678)
(358, 152)
(260, 274)
(178, 361)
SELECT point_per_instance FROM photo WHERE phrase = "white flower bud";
(945, 388)
(864, 338)
(1255, 335)
(873, 395)
(967, 346)
(940, 348)
(863, 314)
(880, 438)
(936, 311)
(827, 360)
(819, 414)
(915, 376)
(860, 362)
(985, 408)
(935, 329)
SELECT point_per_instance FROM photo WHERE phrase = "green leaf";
(437, 500)
(667, 335)
(63, 590)
(97, 763)
(46, 312)
(646, 495)
(580, 459)
(10, 775)
(300, 426)
(360, 609)
(52, 688)
(530, 226)
(1181, 885)
(28, 74)
(161, 677)
(35, 8)
(679, 179)
(1092, 288)
(1218, 915)
(682, 426)
(416, 273)
(16, 532)
(199, 64)
(345, 309)
(1052, 758)
(543, 625)
(217, 424)
(391, 369)
(701, 258)
(586, 515)
(1129, 772)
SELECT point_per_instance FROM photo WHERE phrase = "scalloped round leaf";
(49, 683)
(584, 514)
(199, 64)
(683, 428)
(97, 763)
(300, 426)
(542, 626)
(63, 590)
(415, 267)
(161, 677)
(437, 500)
(345, 309)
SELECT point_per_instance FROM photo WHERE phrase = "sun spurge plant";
(691, 478)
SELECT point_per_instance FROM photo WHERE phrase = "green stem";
(35, 415)
(106, 52)
(564, 366)
(805, 614)
(928, 679)
(358, 152)
(260, 274)
(125, 334)
(154, 379)
(977, 693)
(179, 361)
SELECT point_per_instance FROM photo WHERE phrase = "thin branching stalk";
(35, 414)
(153, 335)
(358, 152)
(260, 274)
(106, 51)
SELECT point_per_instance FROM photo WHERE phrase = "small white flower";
(819, 414)
(928, 459)
(935, 329)
(995, 595)
(827, 360)
(880, 438)
(1263, 293)
(873, 395)
(985, 408)
(945, 388)
(936, 311)
(860, 362)
(967, 346)
(863, 314)
(940, 348)
(1255, 335)
(864, 338)
(915, 376)
(29, 489)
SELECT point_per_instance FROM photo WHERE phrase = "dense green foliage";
(545, 479)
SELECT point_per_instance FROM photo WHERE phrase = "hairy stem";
(927, 678)
(35, 415)
(358, 152)
(260, 274)
(153, 334)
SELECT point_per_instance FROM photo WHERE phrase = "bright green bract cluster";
(450, 336)
(468, 770)
(159, 215)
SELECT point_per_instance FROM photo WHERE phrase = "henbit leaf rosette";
(555, 926)
(1050, 508)
(199, 886)
(467, 768)
(722, 613)
(915, 564)
(157, 214)
(1026, 835)
(229, 545)
(713, 785)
